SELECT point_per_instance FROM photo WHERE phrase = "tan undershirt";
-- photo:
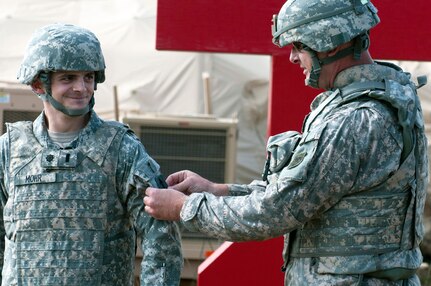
(63, 139)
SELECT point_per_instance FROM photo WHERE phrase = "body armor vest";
(378, 220)
(383, 219)
(63, 220)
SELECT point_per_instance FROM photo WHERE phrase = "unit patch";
(297, 159)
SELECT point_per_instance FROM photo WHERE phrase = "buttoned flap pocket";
(280, 148)
(302, 156)
(146, 173)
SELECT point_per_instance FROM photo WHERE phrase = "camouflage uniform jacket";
(72, 216)
(345, 151)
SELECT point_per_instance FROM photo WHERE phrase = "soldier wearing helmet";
(348, 191)
(72, 184)
(319, 27)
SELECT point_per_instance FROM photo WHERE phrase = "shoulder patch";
(297, 159)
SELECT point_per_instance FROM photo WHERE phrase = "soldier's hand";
(189, 182)
(164, 204)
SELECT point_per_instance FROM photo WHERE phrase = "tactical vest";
(383, 219)
(63, 221)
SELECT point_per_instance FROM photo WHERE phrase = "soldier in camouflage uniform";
(72, 184)
(348, 191)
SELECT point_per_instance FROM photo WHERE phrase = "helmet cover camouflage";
(323, 24)
(62, 47)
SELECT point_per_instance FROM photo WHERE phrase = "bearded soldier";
(348, 190)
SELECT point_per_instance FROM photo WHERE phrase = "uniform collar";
(377, 71)
(41, 132)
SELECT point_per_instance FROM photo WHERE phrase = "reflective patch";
(297, 159)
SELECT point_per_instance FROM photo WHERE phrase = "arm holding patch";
(324, 167)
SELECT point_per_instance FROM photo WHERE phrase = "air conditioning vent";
(203, 145)
(17, 103)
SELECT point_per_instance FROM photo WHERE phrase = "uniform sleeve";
(348, 153)
(160, 240)
(3, 196)
(243, 190)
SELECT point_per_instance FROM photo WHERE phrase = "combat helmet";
(322, 25)
(62, 47)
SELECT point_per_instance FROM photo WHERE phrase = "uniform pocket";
(302, 156)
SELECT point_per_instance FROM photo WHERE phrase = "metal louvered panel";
(200, 150)
(206, 146)
(17, 103)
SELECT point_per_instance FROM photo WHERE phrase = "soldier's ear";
(334, 51)
(37, 86)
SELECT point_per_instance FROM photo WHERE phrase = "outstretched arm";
(166, 204)
(325, 168)
(189, 182)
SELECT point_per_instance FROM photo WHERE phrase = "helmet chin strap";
(361, 43)
(316, 67)
(70, 112)
(44, 77)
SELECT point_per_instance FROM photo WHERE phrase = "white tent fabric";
(151, 81)
(147, 80)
